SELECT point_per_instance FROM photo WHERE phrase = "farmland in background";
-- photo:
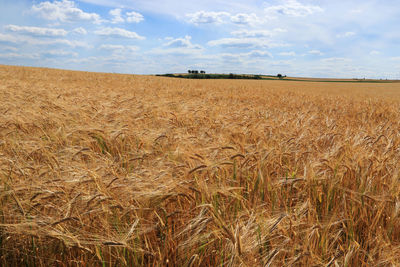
(122, 170)
(232, 76)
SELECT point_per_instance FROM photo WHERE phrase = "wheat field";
(123, 170)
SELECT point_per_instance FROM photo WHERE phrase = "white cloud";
(117, 17)
(193, 53)
(80, 30)
(60, 53)
(179, 46)
(374, 53)
(20, 56)
(8, 48)
(134, 17)
(9, 38)
(239, 59)
(282, 63)
(288, 54)
(184, 42)
(346, 34)
(119, 48)
(118, 32)
(131, 17)
(64, 11)
(229, 57)
(336, 60)
(203, 17)
(252, 33)
(210, 17)
(37, 31)
(245, 43)
(245, 19)
(256, 33)
(235, 42)
(293, 8)
(315, 52)
(71, 43)
(81, 60)
(258, 54)
(17, 39)
(111, 47)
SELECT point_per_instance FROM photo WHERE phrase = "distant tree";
(279, 76)
(189, 71)
(195, 71)
(202, 72)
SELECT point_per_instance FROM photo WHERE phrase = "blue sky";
(311, 38)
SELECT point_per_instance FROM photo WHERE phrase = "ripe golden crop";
(141, 170)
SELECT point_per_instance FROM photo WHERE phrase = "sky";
(307, 38)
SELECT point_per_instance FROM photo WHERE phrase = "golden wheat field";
(122, 170)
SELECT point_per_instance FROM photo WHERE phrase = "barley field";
(121, 170)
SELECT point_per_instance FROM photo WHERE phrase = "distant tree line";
(196, 72)
(203, 75)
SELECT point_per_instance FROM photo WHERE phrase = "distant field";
(270, 77)
(122, 170)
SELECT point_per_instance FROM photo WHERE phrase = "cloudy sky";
(313, 38)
